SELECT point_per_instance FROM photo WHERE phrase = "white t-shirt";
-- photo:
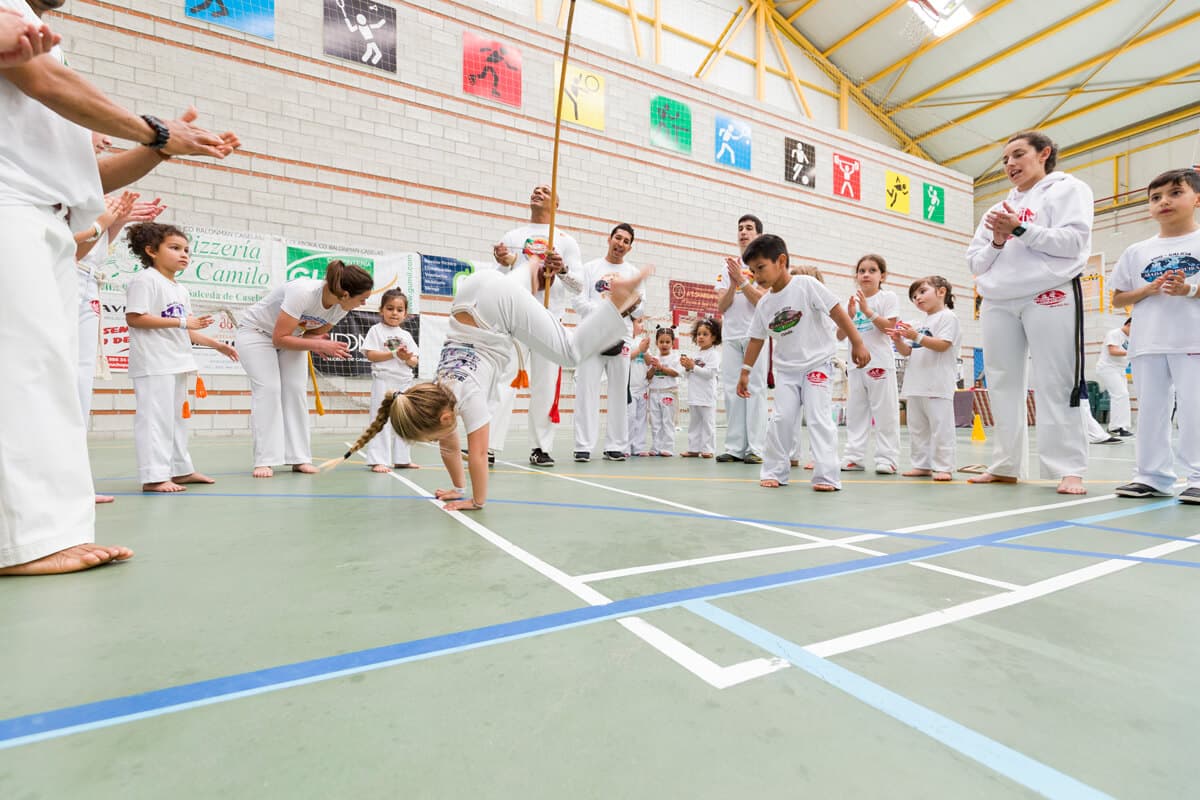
(702, 380)
(735, 322)
(930, 373)
(597, 275)
(1161, 323)
(301, 299)
(1107, 360)
(532, 241)
(637, 373)
(665, 383)
(158, 351)
(386, 337)
(792, 317)
(885, 304)
(470, 362)
(45, 160)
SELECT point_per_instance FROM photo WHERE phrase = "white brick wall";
(408, 162)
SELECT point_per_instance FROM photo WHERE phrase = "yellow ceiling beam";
(861, 28)
(783, 57)
(795, 14)
(721, 45)
(838, 77)
(760, 51)
(1066, 73)
(658, 29)
(925, 48)
(1006, 53)
(633, 23)
(1116, 98)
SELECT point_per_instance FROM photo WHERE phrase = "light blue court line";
(18, 731)
(1069, 551)
(1017, 767)
(1147, 534)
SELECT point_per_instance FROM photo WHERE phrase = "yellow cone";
(977, 434)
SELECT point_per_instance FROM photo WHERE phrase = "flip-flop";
(973, 469)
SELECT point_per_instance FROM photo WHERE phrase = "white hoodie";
(1057, 215)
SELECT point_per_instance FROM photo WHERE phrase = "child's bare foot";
(769, 483)
(943, 476)
(1071, 484)
(167, 487)
(809, 466)
(264, 472)
(307, 469)
(101, 499)
(195, 477)
(795, 462)
(987, 477)
(380, 468)
(407, 466)
(623, 291)
(825, 487)
(917, 473)
(706, 455)
(70, 559)
(689, 454)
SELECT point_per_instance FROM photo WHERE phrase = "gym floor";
(653, 628)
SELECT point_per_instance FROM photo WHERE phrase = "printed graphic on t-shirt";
(536, 247)
(1184, 262)
(876, 373)
(393, 343)
(458, 362)
(921, 332)
(173, 311)
(1053, 298)
(862, 322)
(698, 363)
(310, 322)
(785, 319)
(817, 378)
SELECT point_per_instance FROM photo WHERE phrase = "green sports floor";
(659, 628)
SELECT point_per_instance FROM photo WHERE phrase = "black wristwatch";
(1017, 231)
(162, 134)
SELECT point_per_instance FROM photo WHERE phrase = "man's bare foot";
(164, 487)
(825, 487)
(307, 469)
(769, 483)
(195, 477)
(623, 291)
(380, 468)
(70, 559)
(943, 476)
(916, 473)
(987, 477)
(263, 472)
(101, 499)
(1071, 484)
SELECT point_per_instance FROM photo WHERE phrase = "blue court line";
(1015, 766)
(22, 730)
(921, 537)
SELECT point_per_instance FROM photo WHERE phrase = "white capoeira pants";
(873, 400)
(1113, 381)
(160, 433)
(387, 448)
(1153, 376)
(89, 334)
(812, 394)
(637, 413)
(505, 306)
(931, 433)
(663, 408)
(1092, 429)
(702, 429)
(278, 399)
(745, 418)
(1009, 328)
(543, 377)
(47, 501)
(587, 402)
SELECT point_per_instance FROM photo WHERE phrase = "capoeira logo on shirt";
(1175, 262)
(817, 378)
(174, 311)
(1051, 299)
(394, 343)
(310, 322)
(922, 332)
(876, 373)
(604, 284)
(862, 322)
(786, 319)
(536, 247)
(458, 362)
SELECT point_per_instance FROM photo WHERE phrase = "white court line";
(839, 543)
(947, 616)
(709, 671)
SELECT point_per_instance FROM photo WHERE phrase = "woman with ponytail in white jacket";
(1027, 255)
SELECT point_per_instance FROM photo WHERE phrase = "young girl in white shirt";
(162, 331)
(489, 310)
(703, 370)
(930, 377)
(274, 337)
(392, 352)
(639, 392)
(663, 373)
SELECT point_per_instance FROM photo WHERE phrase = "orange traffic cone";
(977, 434)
